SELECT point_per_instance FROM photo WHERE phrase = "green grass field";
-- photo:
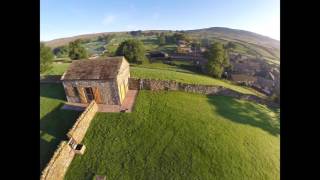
(179, 66)
(54, 122)
(176, 135)
(58, 68)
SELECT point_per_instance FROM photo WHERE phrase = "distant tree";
(133, 50)
(162, 39)
(195, 44)
(181, 36)
(169, 39)
(136, 33)
(61, 51)
(77, 51)
(204, 42)
(106, 38)
(218, 60)
(46, 58)
(230, 45)
(195, 47)
(100, 38)
(87, 40)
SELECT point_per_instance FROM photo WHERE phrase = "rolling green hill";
(248, 43)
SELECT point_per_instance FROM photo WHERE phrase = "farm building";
(104, 80)
(158, 54)
(243, 78)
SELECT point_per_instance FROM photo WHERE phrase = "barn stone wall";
(152, 84)
(123, 77)
(59, 163)
(108, 90)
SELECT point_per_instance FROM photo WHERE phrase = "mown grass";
(54, 122)
(176, 135)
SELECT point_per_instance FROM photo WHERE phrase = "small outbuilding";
(243, 79)
(104, 80)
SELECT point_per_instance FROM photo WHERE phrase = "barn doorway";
(89, 94)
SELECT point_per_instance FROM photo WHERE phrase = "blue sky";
(64, 18)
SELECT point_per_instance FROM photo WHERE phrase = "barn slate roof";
(94, 69)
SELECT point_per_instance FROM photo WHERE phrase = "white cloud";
(108, 19)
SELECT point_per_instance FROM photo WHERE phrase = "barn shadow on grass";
(245, 113)
(53, 129)
(54, 91)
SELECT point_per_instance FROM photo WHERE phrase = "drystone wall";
(59, 163)
(82, 124)
(63, 156)
(152, 84)
(50, 79)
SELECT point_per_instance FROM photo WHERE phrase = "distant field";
(248, 43)
(58, 68)
(176, 135)
(54, 122)
(180, 66)
(95, 47)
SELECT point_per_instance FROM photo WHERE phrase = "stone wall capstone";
(59, 163)
(79, 129)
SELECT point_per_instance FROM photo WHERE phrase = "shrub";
(133, 50)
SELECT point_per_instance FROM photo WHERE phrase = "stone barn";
(104, 80)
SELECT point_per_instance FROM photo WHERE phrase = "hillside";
(251, 43)
(251, 55)
(64, 41)
(240, 35)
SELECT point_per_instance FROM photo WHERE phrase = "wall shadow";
(55, 125)
(54, 91)
(245, 113)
